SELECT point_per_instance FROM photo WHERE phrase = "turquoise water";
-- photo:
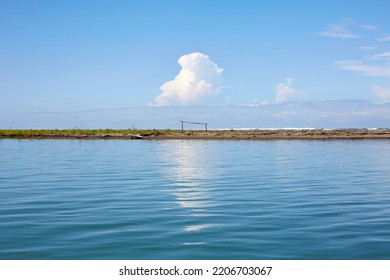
(194, 199)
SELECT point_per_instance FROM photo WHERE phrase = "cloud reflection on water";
(189, 172)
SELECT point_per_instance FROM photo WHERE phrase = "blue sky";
(68, 58)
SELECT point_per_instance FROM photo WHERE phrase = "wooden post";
(205, 124)
(182, 126)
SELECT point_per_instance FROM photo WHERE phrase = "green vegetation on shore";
(194, 134)
(64, 133)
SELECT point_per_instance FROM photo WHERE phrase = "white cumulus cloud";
(285, 92)
(198, 78)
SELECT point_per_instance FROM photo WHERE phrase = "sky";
(149, 63)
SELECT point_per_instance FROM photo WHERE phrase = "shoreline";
(252, 134)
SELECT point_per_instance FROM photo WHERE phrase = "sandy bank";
(280, 134)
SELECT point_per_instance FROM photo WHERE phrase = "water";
(194, 199)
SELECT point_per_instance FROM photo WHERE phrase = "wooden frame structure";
(183, 122)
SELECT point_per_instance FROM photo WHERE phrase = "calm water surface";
(194, 199)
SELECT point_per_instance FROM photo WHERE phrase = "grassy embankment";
(194, 134)
(73, 133)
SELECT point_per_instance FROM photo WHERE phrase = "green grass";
(33, 133)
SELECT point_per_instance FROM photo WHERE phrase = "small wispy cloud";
(369, 27)
(384, 39)
(381, 56)
(256, 103)
(198, 78)
(382, 93)
(364, 68)
(339, 30)
(346, 29)
(285, 92)
(367, 48)
(373, 65)
(285, 114)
